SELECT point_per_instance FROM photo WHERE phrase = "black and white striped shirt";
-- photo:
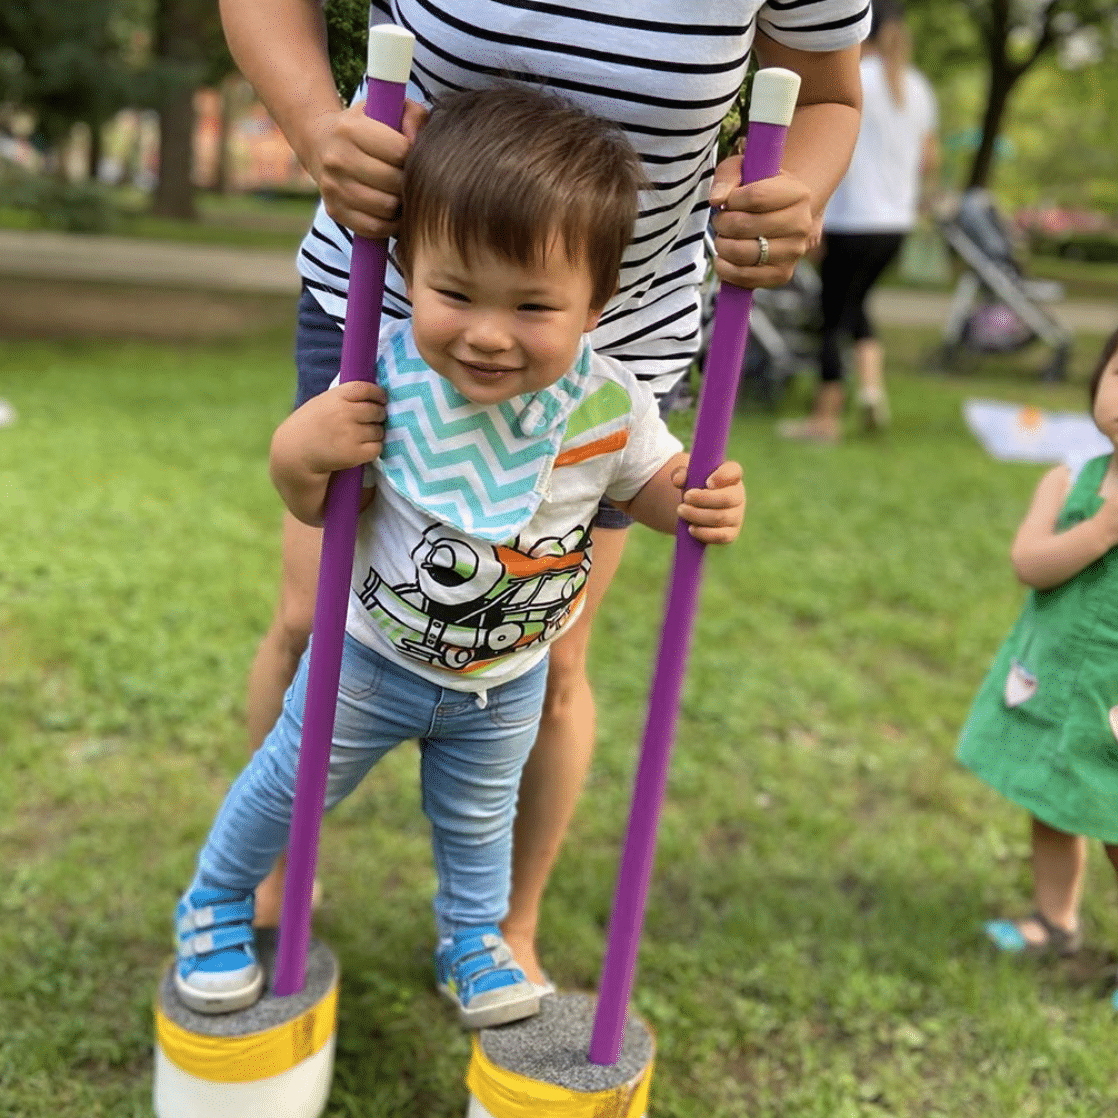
(667, 83)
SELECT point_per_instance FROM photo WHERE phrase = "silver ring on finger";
(762, 251)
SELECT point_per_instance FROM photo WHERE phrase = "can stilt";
(539, 1066)
(272, 1060)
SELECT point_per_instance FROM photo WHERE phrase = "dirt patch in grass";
(66, 309)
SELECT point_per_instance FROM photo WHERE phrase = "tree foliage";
(67, 62)
(1010, 37)
(347, 36)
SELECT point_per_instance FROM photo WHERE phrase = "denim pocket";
(362, 671)
(518, 704)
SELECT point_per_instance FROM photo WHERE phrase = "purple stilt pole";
(390, 51)
(761, 159)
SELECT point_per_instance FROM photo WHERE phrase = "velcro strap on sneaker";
(230, 912)
(469, 966)
(218, 939)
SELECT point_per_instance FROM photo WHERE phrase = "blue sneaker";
(217, 971)
(477, 972)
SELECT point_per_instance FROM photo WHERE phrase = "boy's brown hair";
(509, 168)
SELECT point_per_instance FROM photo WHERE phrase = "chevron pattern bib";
(481, 469)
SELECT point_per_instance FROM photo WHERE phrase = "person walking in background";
(1043, 729)
(866, 222)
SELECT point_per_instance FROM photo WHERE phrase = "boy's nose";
(487, 332)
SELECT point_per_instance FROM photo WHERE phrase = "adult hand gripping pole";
(390, 55)
(772, 103)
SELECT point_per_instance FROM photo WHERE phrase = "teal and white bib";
(481, 469)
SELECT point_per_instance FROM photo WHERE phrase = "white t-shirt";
(881, 188)
(666, 72)
(470, 615)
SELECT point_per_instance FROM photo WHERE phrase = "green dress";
(1043, 730)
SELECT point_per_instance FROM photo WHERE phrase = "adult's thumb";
(727, 176)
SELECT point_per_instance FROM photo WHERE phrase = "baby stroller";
(995, 309)
(783, 333)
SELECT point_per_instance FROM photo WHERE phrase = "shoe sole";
(494, 1013)
(219, 1001)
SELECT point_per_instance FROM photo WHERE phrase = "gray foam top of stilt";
(270, 1011)
(552, 1046)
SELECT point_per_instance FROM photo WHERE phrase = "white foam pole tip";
(390, 51)
(772, 100)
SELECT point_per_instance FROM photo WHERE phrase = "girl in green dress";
(1043, 730)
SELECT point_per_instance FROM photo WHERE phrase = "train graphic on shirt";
(472, 603)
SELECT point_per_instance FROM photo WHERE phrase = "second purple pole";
(390, 51)
(772, 102)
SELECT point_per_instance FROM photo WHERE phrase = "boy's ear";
(596, 312)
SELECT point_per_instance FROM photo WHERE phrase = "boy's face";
(497, 329)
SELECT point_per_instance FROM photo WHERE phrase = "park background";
(812, 947)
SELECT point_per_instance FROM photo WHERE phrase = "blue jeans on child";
(473, 748)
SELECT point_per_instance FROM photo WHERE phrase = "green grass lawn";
(811, 948)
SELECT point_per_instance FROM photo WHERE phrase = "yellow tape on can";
(505, 1094)
(244, 1059)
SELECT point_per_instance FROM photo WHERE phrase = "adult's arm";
(787, 209)
(280, 47)
(824, 127)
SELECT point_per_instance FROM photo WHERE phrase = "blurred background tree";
(976, 53)
(347, 37)
(188, 52)
(1028, 90)
(67, 64)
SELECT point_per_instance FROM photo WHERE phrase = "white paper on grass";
(1023, 433)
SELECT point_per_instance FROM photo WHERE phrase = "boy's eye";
(536, 308)
(449, 293)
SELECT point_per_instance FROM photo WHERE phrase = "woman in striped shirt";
(669, 85)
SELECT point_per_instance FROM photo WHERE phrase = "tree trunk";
(174, 192)
(176, 53)
(224, 132)
(1002, 80)
(96, 150)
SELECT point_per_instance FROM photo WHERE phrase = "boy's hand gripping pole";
(772, 103)
(390, 54)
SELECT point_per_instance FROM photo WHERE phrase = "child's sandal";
(1006, 935)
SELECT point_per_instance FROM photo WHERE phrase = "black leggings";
(851, 265)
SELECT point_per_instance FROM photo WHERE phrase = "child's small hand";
(340, 428)
(715, 514)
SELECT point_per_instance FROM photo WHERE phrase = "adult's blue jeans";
(473, 749)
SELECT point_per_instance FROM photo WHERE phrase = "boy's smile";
(496, 329)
